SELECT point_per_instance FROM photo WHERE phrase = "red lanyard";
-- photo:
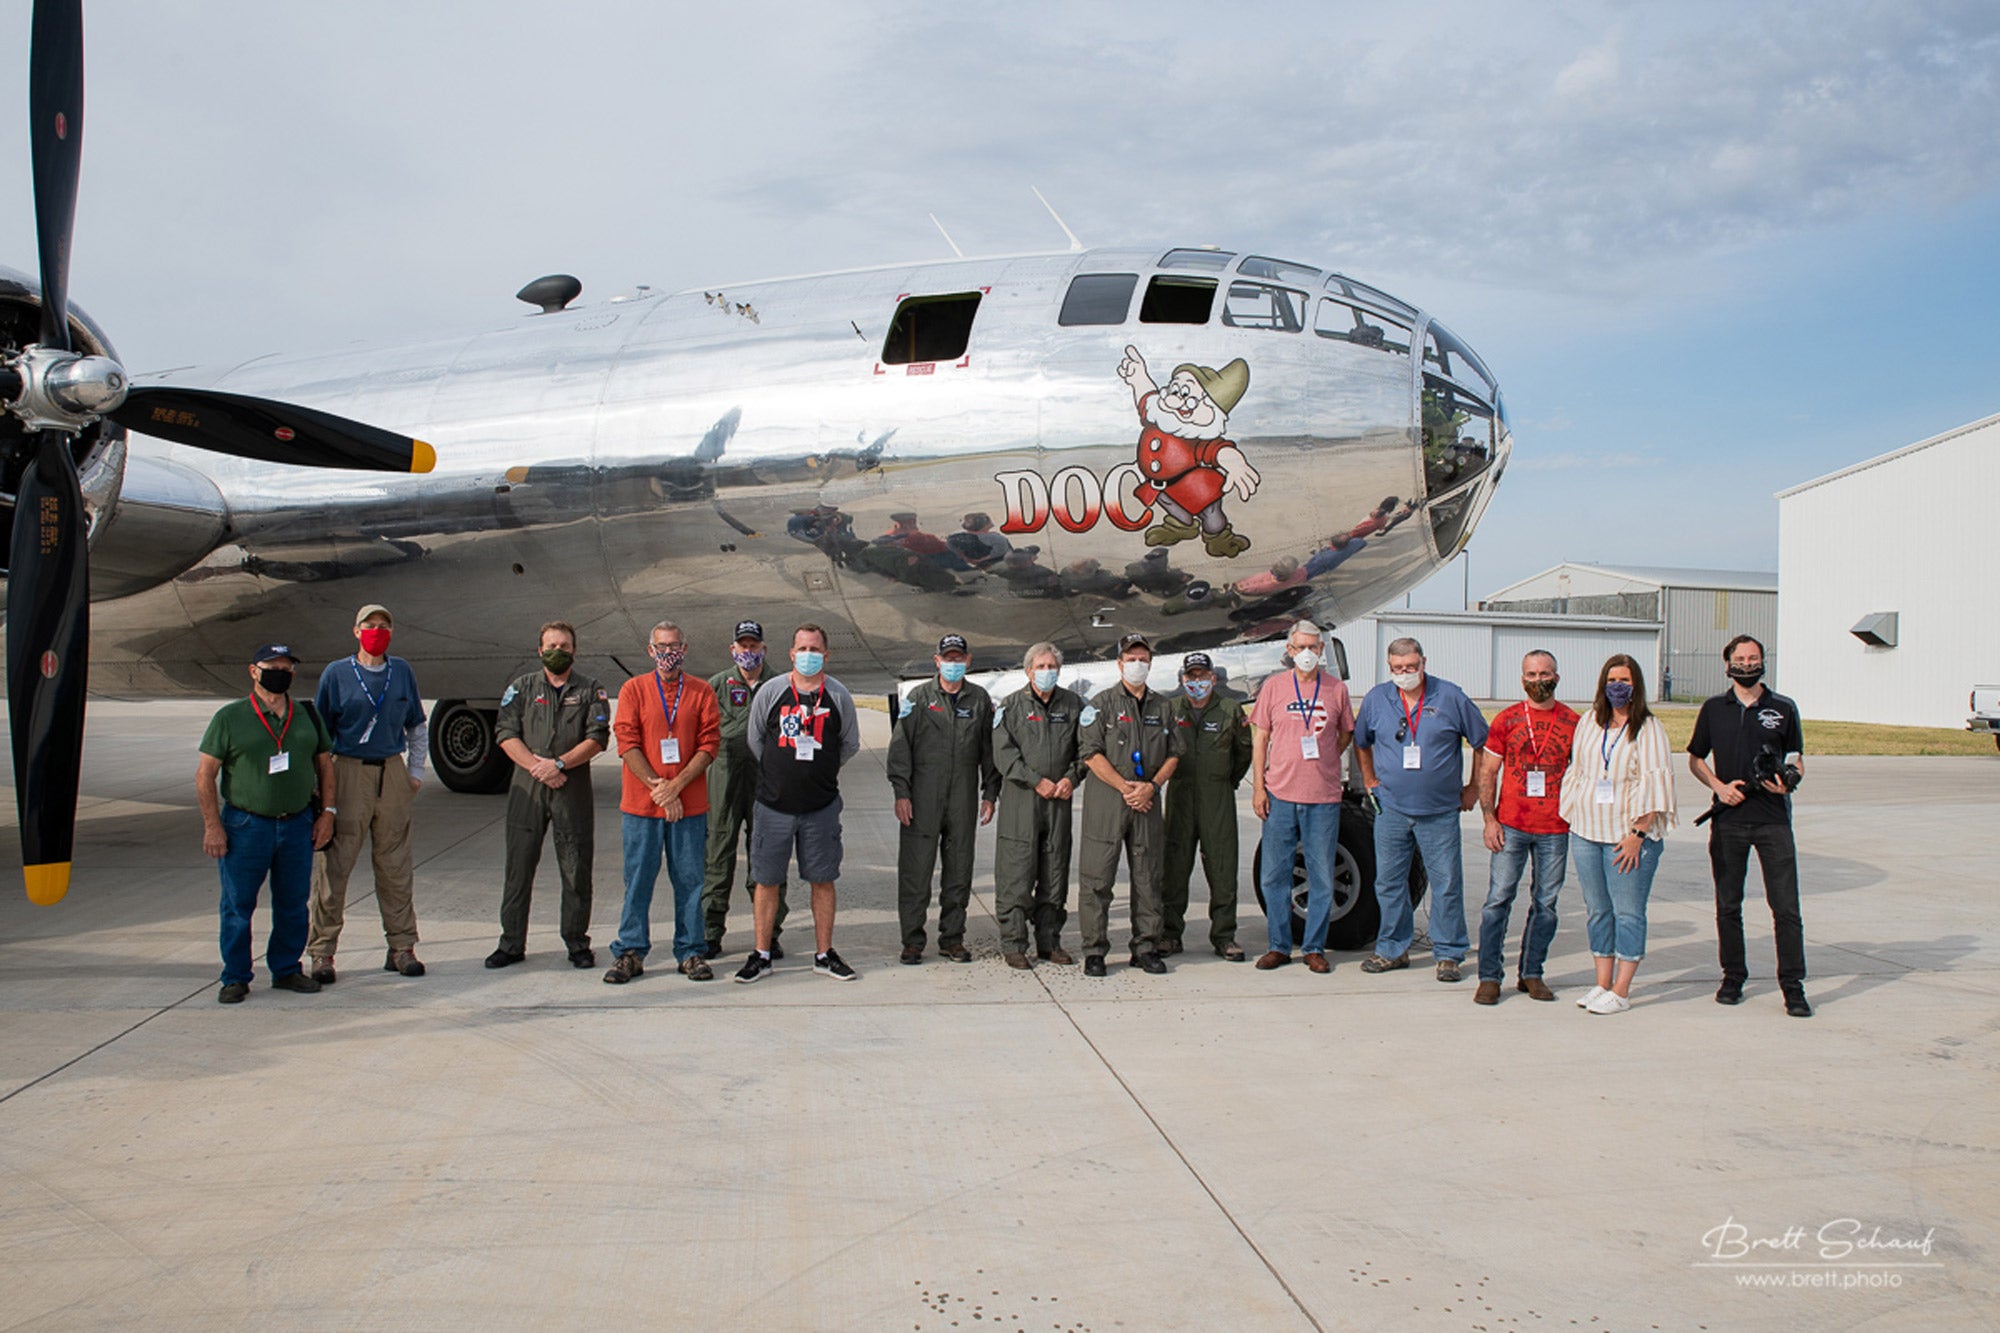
(277, 736)
(1409, 722)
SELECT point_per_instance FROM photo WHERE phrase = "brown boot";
(1018, 960)
(1488, 993)
(1058, 955)
(1535, 987)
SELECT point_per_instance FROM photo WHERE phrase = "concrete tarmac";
(970, 1147)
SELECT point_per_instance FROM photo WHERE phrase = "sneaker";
(954, 953)
(1448, 970)
(1375, 962)
(1232, 952)
(321, 969)
(236, 992)
(829, 964)
(399, 960)
(1584, 1001)
(777, 952)
(624, 968)
(295, 981)
(910, 957)
(755, 968)
(1610, 1002)
(504, 958)
(695, 968)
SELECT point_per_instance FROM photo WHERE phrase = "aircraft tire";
(464, 754)
(1357, 917)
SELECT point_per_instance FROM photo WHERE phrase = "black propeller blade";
(55, 134)
(232, 423)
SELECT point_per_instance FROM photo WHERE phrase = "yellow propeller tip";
(422, 457)
(47, 883)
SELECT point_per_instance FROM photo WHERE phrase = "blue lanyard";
(373, 703)
(1605, 748)
(1308, 713)
(679, 685)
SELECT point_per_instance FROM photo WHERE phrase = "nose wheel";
(464, 754)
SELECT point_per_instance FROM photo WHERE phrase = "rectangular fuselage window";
(930, 328)
(1098, 298)
(1177, 301)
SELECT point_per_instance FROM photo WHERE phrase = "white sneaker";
(1609, 1002)
(1588, 996)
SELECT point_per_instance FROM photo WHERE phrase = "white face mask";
(1135, 671)
(1306, 660)
(1407, 680)
(1045, 679)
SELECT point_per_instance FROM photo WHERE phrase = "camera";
(1769, 766)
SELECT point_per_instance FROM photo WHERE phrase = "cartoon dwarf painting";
(1185, 465)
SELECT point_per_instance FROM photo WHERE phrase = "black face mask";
(1746, 676)
(275, 680)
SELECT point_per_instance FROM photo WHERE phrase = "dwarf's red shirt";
(1183, 470)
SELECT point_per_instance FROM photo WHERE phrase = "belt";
(276, 818)
(357, 759)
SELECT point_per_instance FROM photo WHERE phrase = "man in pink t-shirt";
(1301, 722)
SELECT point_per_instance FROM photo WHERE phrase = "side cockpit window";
(930, 328)
(1177, 300)
(1252, 305)
(1364, 328)
(1098, 298)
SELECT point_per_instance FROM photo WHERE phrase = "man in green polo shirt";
(268, 754)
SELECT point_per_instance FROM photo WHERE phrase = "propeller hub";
(61, 390)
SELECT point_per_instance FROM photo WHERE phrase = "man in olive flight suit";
(1132, 749)
(941, 769)
(553, 721)
(1201, 807)
(1034, 747)
(732, 788)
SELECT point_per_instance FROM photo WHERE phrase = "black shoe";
(713, 951)
(1797, 1005)
(1729, 992)
(236, 992)
(403, 961)
(305, 985)
(910, 957)
(502, 958)
(1093, 966)
(829, 964)
(584, 957)
(1170, 947)
(755, 968)
(1150, 963)
(954, 953)
(777, 951)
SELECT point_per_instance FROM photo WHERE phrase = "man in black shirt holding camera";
(1755, 738)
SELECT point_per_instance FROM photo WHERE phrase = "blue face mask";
(1618, 693)
(1045, 679)
(953, 672)
(810, 662)
(1198, 690)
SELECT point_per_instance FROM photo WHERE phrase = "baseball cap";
(373, 608)
(1134, 640)
(953, 643)
(272, 651)
(748, 629)
(1196, 662)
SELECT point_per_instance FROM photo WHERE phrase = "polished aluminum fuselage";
(734, 453)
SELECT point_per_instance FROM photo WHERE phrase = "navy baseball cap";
(951, 643)
(748, 629)
(1134, 641)
(270, 652)
(1196, 662)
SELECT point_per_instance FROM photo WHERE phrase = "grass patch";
(1836, 737)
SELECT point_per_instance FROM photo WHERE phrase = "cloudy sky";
(1710, 249)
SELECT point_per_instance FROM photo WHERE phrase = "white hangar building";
(1890, 613)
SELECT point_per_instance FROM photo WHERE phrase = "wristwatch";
(560, 765)
(329, 809)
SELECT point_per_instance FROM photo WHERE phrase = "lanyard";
(1535, 744)
(797, 702)
(278, 736)
(1409, 721)
(674, 712)
(1308, 714)
(1606, 746)
(373, 702)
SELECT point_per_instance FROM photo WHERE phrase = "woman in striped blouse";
(1618, 796)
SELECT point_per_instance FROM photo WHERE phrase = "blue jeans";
(1615, 900)
(1291, 824)
(1436, 836)
(260, 846)
(683, 844)
(1550, 853)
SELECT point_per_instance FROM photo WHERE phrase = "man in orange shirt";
(668, 730)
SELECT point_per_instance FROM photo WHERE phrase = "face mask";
(810, 662)
(1307, 661)
(1135, 672)
(953, 672)
(1045, 679)
(752, 660)
(1198, 690)
(275, 680)
(374, 641)
(1407, 680)
(557, 659)
(670, 659)
(1541, 691)
(1618, 693)
(1743, 675)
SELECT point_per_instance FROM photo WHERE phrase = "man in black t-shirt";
(801, 730)
(1735, 727)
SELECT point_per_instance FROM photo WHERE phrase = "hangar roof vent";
(551, 293)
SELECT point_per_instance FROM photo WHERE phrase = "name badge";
(1538, 782)
(1309, 746)
(1606, 794)
(807, 748)
(670, 749)
(366, 732)
(1413, 756)
(281, 762)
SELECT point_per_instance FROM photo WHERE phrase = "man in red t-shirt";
(1526, 754)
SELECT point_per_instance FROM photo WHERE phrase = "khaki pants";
(372, 804)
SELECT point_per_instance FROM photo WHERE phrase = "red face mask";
(374, 641)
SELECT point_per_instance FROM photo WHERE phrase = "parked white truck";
(1985, 706)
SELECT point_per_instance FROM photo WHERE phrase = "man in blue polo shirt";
(1408, 738)
(371, 707)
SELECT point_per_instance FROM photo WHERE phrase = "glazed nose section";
(1466, 441)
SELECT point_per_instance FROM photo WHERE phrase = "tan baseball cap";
(373, 609)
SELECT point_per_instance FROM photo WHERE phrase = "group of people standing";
(750, 760)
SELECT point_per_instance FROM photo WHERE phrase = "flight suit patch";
(739, 695)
